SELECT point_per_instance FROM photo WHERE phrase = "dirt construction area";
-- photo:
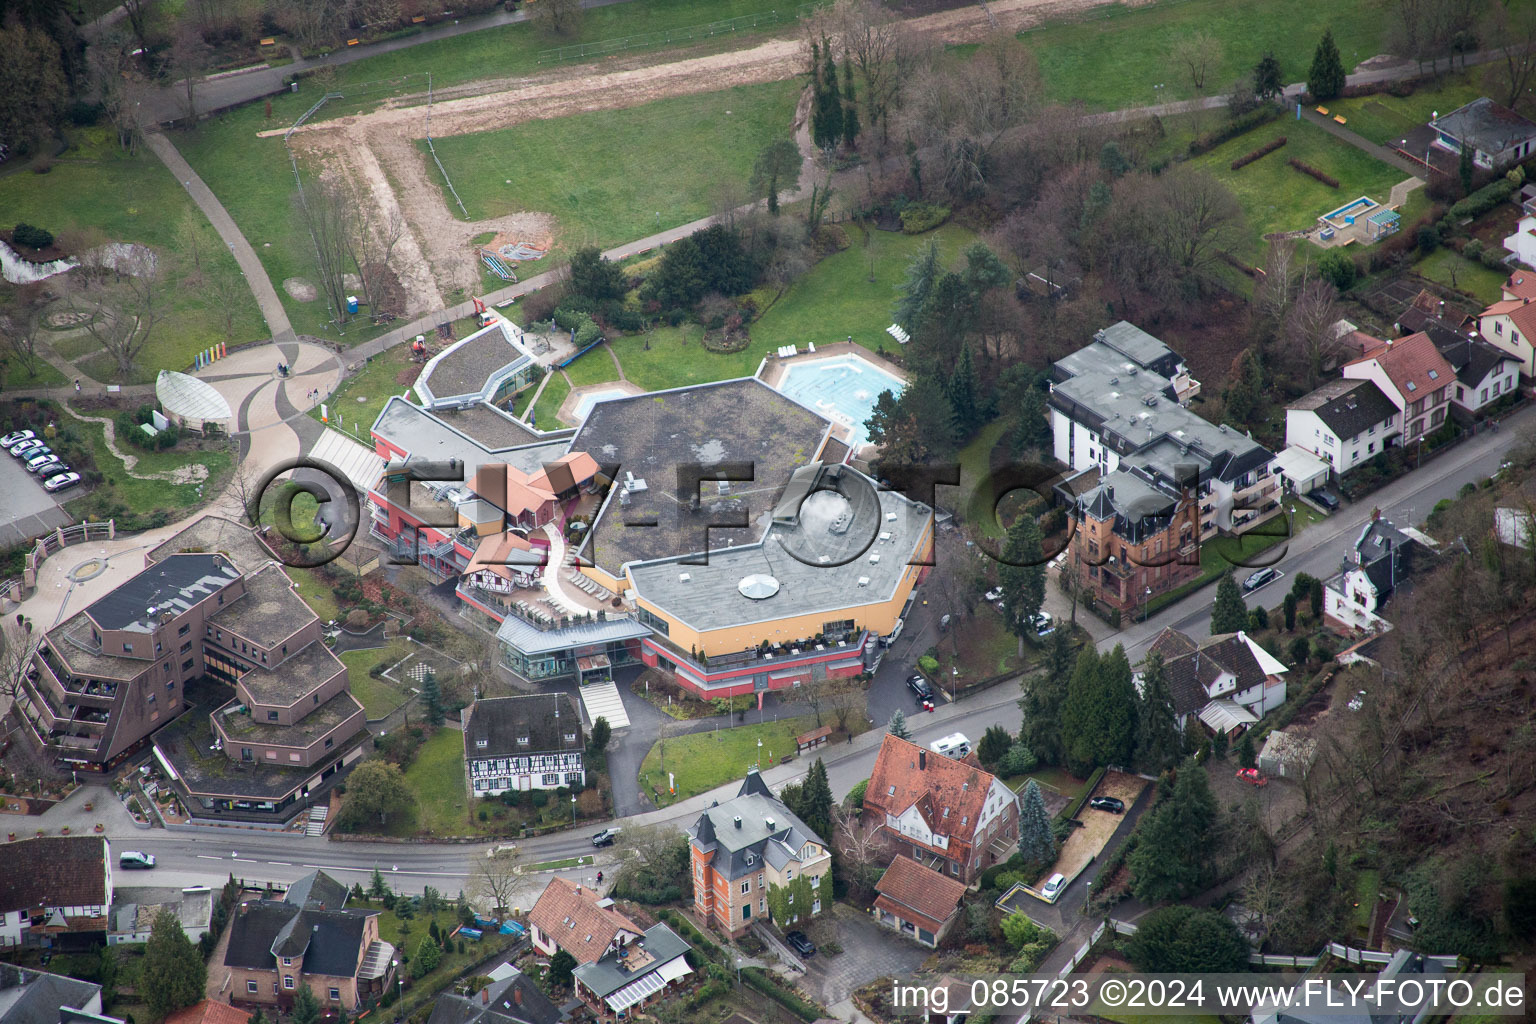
(1085, 843)
(376, 151)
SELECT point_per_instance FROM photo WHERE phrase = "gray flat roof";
(286, 683)
(604, 977)
(172, 585)
(427, 437)
(269, 611)
(474, 367)
(311, 727)
(653, 435)
(485, 423)
(710, 597)
(232, 539)
(530, 639)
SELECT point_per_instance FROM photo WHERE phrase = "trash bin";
(351, 303)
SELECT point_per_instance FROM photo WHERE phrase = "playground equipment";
(498, 259)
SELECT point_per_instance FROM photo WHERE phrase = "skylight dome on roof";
(758, 586)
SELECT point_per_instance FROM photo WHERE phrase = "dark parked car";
(920, 686)
(1327, 499)
(605, 837)
(1113, 805)
(1258, 579)
(801, 944)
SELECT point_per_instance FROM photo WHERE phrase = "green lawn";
(703, 760)
(406, 936)
(1385, 119)
(975, 467)
(1114, 56)
(555, 392)
(596, 367)
(316, 593)
(674, 152)
(144, 496)
(559, 865)
(1050, 778)
(379, 696)
(437, 778)
(360, 399)
(1447, 266)
(1367, 885)
(1276, 196)
(94, 194)
(1219, 554)
(514, 49)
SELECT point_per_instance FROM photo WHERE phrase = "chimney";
(485, 996)
(922, 760)
(517, 995)
(737, 819)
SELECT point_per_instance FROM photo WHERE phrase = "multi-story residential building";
(523, 743)
(1510, 324)
(276, 946)
(1413, 374)
(742, 848)
(36, 997)
(56, 890)
(621, 967)
(1135, 538)
(1345, 422)
(1117, 407)
(948, 815)
(1228, 681)
(509, 997)
(1497, 136)
(1382, 561)
(1484, 372)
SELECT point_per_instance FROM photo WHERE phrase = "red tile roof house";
(949, 815)
(918, 902)
(56, 889)
(1511, 326)
(1415, 376)
(620, 968)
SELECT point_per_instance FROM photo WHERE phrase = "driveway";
(26, 510)
(869, 952)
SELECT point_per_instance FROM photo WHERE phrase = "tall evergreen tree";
(1325, 79)
(1228, 613)
(851, 126)
(172, 974)
(1037, 843)
(1098, 724)
(1044, 695)
(1032, 428)
(376, 887)
(432, 697)
(898, 725)
(1268, 78)
(1022, 575)
(1246, 755)
(962, 396)
(923, 272)
(1157, 728)
(831, 101)
(994, 744)
(1466, 170)
(816, 800)
(1172, 859)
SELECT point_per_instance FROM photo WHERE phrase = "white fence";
(1348, 954)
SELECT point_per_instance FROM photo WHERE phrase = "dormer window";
(522, 741)
(891, 791)
(482, 744)
(570, 737)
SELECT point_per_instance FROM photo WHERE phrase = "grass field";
(1276, 196)
(361, 398)
(144, 496)
(379, 696)
(555, 392)
(1448, 266)
(315, 593)
(703, 760)
(96, 192)
(674, 152)
(1384, 118)
(1113, 57)
(596, 367)
(437, 778)
(514, 49)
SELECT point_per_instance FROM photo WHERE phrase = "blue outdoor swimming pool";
(841, 388)
(1357, 207)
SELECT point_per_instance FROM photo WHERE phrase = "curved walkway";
(255, 274)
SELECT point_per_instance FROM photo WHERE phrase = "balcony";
(757, 657)
(63, 689)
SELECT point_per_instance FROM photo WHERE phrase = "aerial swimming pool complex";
(841, 388)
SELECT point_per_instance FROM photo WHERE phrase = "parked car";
(22, 447)
(1257, 579)
(131, 859)
(605, 837)
(1052, 887)
(921, 687)
(1327, 499)
(36, 456)
(1114, 805)
(47, 467)
(16, 437)
(61, 482)
(1043, 624)
(1252, 776)
(993, 594)
(800, 943)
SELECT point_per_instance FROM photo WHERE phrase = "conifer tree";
(1037, 843)
(898, 726)
(1325, 80)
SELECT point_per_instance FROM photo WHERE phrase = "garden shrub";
(587, 333)
(1429, 239)
(1337, 269)
(1484, 199)
(1232, 129)
(1019, 760)
(759, 979)
(31, 237)
(928, 664)
(919, 217)
(1306, 168)
(1264, 150)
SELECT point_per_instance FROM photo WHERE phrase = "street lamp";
(1146, 605)
(573, 808)
(400, 982)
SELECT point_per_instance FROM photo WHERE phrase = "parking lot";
(26, 510)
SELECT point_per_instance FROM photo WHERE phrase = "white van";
(886, 641)
(955, 745)
(1052, 887)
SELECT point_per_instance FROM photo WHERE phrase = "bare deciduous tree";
(1309, 329)
(189, 59)
(558, 17)
(1199, 53)
(122, 300)
(328, 210)
(1511, 31)
(884, 52)
(495, 878)
(18, 642)
(21, 325)
(860, 851)
(122, 87)
(371, 245)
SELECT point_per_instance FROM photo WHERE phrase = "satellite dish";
(758, 586)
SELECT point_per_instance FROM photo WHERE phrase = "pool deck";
(772, 369)
(1358, 233)
(614, 388)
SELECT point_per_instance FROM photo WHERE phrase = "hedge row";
(1075, 808)
(1484, 199)
(759, 979)
(1233, 128)
(1244, 161)
(1306, 168)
